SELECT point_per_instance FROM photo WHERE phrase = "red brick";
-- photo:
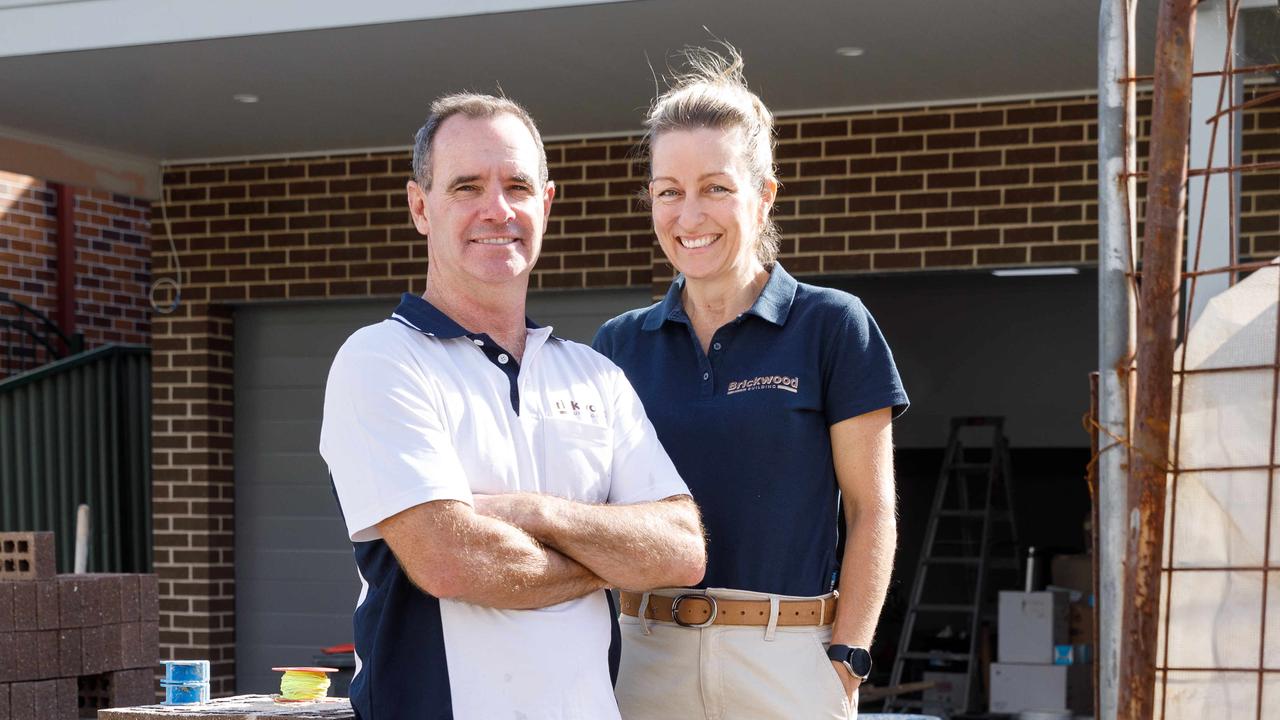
(896, 261)
(824, 128)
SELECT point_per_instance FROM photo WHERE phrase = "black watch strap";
(856, 659)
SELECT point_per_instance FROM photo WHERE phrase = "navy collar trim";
(415, 312)
(773, 304)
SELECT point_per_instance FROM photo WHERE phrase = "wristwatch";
(857, 660)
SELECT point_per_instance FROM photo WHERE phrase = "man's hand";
(632, 547)
(851, 683)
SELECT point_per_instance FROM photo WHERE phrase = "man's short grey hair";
(472, 105)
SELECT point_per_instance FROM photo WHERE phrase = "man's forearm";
(633, 547)
(484, 561)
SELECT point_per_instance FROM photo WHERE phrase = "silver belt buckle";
(675, 609)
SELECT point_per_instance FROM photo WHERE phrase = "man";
(494, 479)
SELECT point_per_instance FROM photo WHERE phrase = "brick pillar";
(194, 487)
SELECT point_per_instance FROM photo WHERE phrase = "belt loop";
(822, 611)
(773, 618)
(643, 614)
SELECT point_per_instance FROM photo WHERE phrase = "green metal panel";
(79, 430)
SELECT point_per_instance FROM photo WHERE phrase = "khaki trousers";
(722, 672)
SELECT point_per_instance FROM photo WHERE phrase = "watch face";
(860, 662)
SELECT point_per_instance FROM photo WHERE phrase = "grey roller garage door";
(295, 578)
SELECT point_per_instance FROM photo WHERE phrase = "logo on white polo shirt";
(575, 407)
(765, 382)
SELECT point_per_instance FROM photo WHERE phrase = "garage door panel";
(283, 499)
(294, 530)
(283, 436)
(288, 372)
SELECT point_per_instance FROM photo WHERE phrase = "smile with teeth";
(697, 241)
(495, 240)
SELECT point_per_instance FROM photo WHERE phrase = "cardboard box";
(1030, 624)
(1074, 572)
(947, 694)
(1080, 623)
(1020, 687)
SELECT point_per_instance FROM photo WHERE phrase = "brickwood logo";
(765, 382)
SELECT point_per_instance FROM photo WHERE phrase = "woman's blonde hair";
(711, 92)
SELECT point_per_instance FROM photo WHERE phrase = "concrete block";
(150, 641)
(148, 597)
(47, 665)
(47, 605)
(129, 688)
(4, 703)
(70, 664)
(27, 556)
(6, 607)
(112, 648)
(91, 694)
(22, 700)
(26, 656)
(91, 600)
(92, 653)
(70, 601)
(8, 658)
(25, 615)
(106, 594)
(46, 692)
(131, 646)
(67, 697)
(129, 593)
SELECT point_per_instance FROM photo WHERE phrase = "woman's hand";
(851, 683)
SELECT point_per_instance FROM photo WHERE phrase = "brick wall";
(113, 258)
(947, 188)
(1260, 191)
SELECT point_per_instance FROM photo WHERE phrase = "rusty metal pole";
(1162, 260)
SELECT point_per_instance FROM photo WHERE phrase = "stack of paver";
(71, 644)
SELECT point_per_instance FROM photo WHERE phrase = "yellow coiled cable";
(302, 685)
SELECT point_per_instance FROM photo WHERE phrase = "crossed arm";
(525, 550)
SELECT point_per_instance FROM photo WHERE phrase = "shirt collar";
(427, 319)
(772, 305)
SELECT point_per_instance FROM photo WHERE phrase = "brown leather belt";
(695, 609)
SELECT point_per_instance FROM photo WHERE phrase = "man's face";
(486, 210)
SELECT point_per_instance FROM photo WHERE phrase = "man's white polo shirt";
(416, 410)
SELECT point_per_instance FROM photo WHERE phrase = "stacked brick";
(71, 644)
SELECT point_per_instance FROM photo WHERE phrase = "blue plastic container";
(185, 693)
(186, 671)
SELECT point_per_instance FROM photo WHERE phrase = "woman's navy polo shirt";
(748, 426)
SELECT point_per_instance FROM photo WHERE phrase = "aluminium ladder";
(971, 516)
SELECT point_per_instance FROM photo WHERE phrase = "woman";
(774, 399)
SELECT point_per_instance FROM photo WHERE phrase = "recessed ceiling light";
(246, 98)
(1035, 271)
(850, 51)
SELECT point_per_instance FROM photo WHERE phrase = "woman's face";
(707, 208)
